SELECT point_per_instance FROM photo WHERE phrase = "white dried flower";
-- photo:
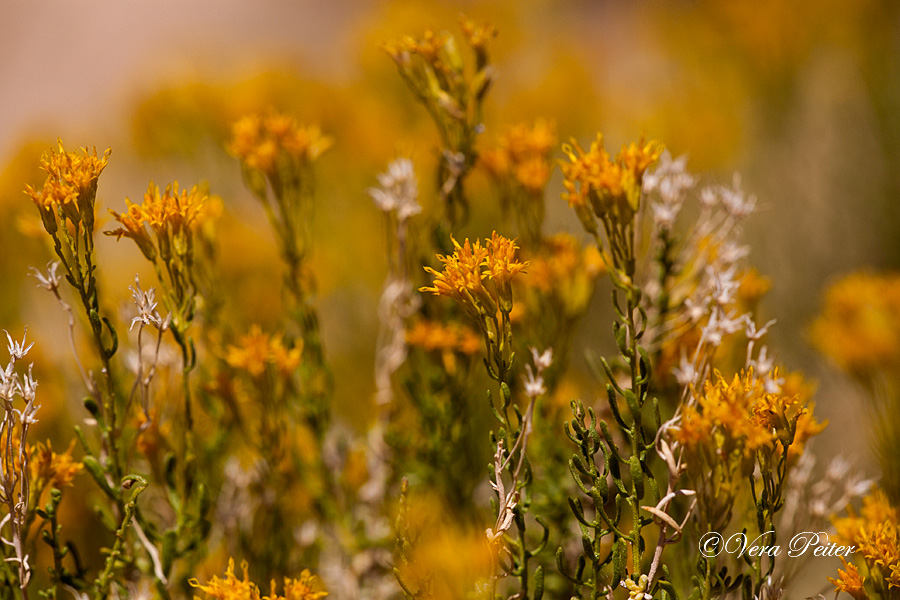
(146, 306)
(534, 384)
(544, 360)
(51, 280)
(398, 191)
(686, 372)
(17, 350)
(735, 202)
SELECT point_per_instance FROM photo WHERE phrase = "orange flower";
(850, 581)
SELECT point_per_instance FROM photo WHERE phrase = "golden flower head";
(859, 326)
(172, 215)
(611, 188)
(850, 581)
(741, 416)
(51, 469)
(462, 278)
(876, 534)
(566, 270)
(71, 185)
(478, 36)
(432, 335)
(256, 351)
(523, 155)
(229, 588)
(270, 142)
(304, 588)
(232, 588)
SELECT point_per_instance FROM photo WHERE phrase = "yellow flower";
(859, 326)
(432, 335)
(464, 272)
(299, 589)
(172, 215)
(264, 142)
(51, 469)
(478, 36)
(229, 588)
(523, 153)
(565, 270)
(172, 210)
(502, 266)
(449, 340)
(461, 278)
(876, 534)
(741, 417)
(611, 188)
(232, 588)
(71, 185)
(257, 350)
(850, 581)
(638, 157)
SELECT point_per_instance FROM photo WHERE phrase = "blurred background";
(800, 97)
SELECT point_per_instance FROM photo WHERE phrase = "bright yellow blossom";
(522, 154)
(611, 188)
(432, 335)
(172, 215)
(51, 469)
(256, 351)
(232, 588)
(859, 327)
(740, 416)
(299, 589)
(71, 185)
(263, 142)
(876, 534)
(461, 278)
(465, 269)
(850, 581)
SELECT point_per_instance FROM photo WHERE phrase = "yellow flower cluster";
(523, 155)
(267, 142)
(256, 351)
(478, 37)
(612, 188)
(876, 534)
(565, 270)
(850, 581)
(46, 468)
(449, 340)
(51, 469)
(739, 417)
(859, 326)
(71, 186)
(172, 216)
(232, 588)
(432, 335)
(462, 278)
(429, 48)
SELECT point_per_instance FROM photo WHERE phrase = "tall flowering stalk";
(608, 191)
(66, 206)
(277, 155)
(434, 69)
(163, 227)
(479, 279)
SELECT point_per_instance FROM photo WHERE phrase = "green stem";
(105, 578)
